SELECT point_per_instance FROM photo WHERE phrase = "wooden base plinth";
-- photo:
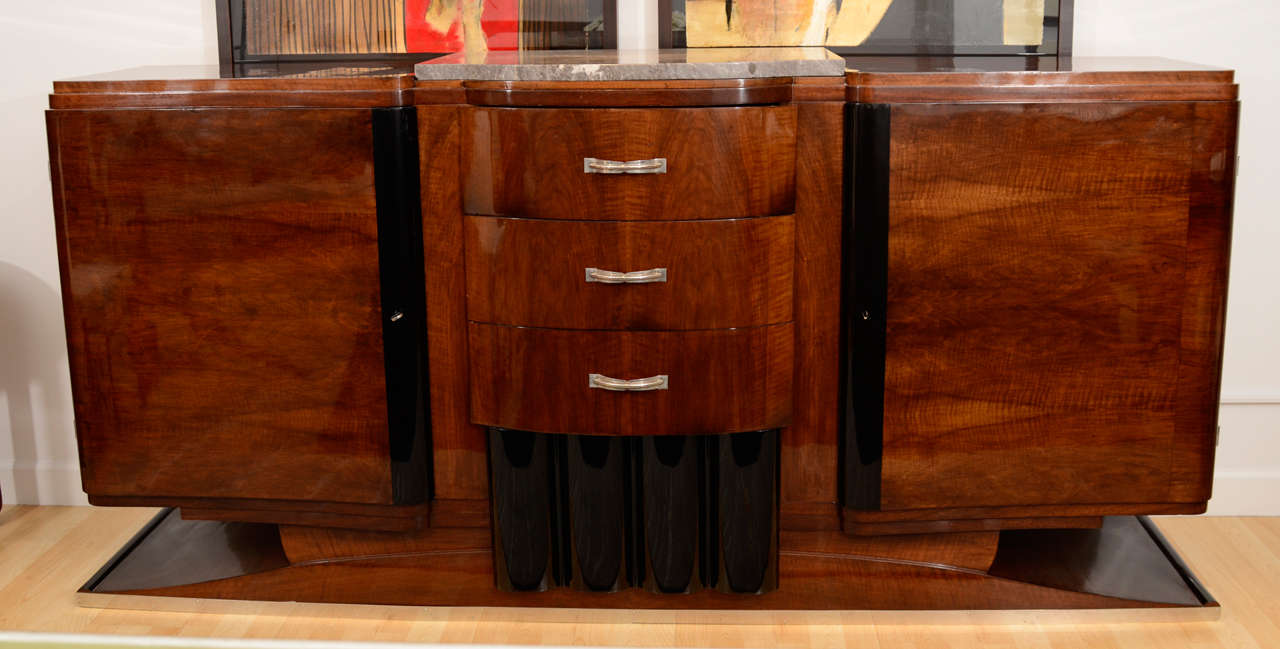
(1125, 564)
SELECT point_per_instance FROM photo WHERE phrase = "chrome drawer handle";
(597, 166)
(637, 277)
(603, 382)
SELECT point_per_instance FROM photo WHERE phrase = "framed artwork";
(878, 27)
(254, 31)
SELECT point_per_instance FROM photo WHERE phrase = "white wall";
(1241, 35)
(41, 41)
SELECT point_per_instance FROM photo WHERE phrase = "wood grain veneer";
(63, 544)
(461, 475)
(721, 380)
(194, 88)
(722, 162)
(1050, 341)
(179, 236)
(309, 27)
(902, 80)
(1123, 564)
(720, 274)
(809, 457)
(1057, 265)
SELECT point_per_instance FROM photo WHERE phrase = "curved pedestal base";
(1126, 563)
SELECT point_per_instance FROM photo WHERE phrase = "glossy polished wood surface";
(721, 380)
(953, 526)
(210, 359)
(1013, 224)
(989, 79)
(1041, 282)
(1123, 565)
(286, 512)
(458, 453)
(721, 162)
(808, 491)
(1237, 558)
(199, 87)
(719, 274)
(700, 92)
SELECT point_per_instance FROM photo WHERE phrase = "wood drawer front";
(720, 381)
(718, 274)
(721, 162)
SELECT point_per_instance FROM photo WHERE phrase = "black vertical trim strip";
(664, 25)
(863, 311)
(1066, 27)
(709, 509)
(562, 545)
(635, 495)
(610, 39)
(402, 283)
(225, 57)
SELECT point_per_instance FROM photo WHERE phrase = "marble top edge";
(635, 65)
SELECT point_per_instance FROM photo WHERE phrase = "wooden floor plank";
(46, 553)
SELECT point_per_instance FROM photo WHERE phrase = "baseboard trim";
(41, 483)
(1247, 399)
(1245, 493)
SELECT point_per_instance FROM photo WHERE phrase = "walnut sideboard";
(915, 335)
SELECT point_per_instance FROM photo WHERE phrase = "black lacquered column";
(671, 484)
(597, 512)
(525, 535)
(747, 495)
(671, 514)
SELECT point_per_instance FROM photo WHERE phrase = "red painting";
(440, 25)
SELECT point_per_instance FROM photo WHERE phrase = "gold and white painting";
(841, 23)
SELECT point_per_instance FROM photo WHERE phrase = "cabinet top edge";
(1046, 71)
(890, 79)
(731, 63)
(1039, 79)
(695, 63)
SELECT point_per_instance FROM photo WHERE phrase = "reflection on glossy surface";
(173, 552)
(221, 285)
(1120, 559)
(670, 514)
(722, 163)
(526, 514)
(719, 273)
(720, 380)
(1054, 307)
(629, 65)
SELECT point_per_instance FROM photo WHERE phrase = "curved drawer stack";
(630, 274)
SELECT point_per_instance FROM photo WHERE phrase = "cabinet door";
(1051, 304)
(220, 276)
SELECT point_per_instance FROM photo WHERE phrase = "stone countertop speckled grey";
(634, 65)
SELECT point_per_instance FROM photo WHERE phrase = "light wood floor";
(46, 553)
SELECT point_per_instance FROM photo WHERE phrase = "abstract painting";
(721, 23)
(452, 25)
(267, 28)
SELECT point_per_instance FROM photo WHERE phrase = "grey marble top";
(634, 65)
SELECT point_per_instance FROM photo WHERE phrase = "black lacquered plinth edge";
(1175, 559)
(92, 595)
